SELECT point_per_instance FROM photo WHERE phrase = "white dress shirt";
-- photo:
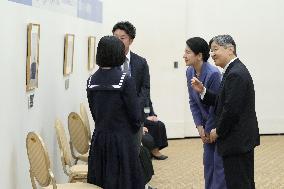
(224, 70)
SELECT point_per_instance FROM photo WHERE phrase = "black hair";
(127, 27)
(199, 45)
(110, 52)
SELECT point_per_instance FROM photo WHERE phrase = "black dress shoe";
(161, 157)
(149, 187)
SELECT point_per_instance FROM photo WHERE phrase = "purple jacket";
(202, 114)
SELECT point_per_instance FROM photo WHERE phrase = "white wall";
(161, 34)
(162, 29)
(164, 26)
(51, 98)
(257, 27)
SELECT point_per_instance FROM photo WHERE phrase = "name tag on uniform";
(146, 110)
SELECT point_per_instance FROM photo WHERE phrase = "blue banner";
(90, 10)
(86, 9)
(25, 2)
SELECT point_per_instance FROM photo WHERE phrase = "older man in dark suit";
(236, 132)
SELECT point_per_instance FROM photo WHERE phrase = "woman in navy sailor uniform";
(113, 158)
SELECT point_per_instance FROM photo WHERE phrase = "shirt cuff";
(203, 93)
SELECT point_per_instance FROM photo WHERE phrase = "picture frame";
(32, 60)
(91, 52)
(68, 54)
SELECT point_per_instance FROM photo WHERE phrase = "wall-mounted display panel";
(68, 54)
(32, 62)
(91, 52)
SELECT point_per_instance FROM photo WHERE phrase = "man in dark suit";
(135, 66)
(236, 132)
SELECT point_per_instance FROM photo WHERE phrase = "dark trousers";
(157, 130)
(138, 137)
(148, 141)
(239, 170)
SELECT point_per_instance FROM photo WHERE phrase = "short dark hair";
(110, 52)
(199, 45)
(127, 27)
(225, 41)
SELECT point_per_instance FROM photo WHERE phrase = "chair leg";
(32, 180)
(73, 153)
(71, 179)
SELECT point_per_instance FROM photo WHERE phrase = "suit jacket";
(236, 120)
(140, 73)
(203, 114)
(152, 112)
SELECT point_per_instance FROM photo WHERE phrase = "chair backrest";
(84, 115)
(39, 160)
(63, 145)
(78, 133)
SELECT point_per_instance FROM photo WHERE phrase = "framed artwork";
(32, 61)
(68, 54)
(91, 52)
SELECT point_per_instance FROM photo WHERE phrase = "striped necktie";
(125, 66)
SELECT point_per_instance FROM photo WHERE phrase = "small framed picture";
(91, 52)
(68, 54)
(32, 61)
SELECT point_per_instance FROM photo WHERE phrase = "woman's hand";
(145, 130)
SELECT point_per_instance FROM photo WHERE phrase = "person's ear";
(231, 49)
(199, 56)
(130, 41)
